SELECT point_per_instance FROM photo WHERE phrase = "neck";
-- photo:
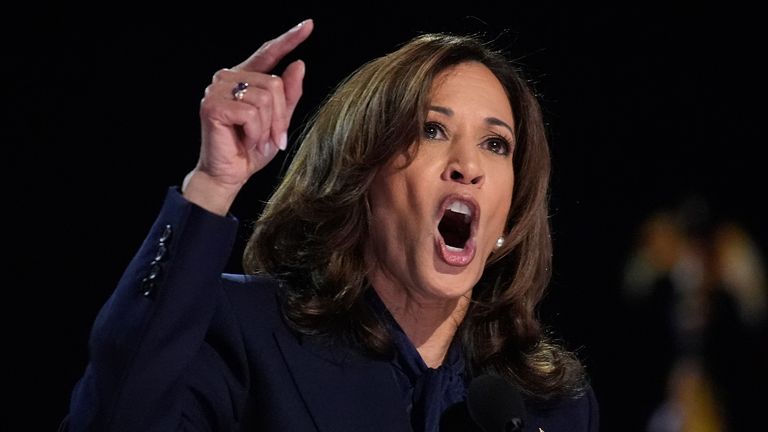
(430, 324)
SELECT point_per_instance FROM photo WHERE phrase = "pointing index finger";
(271, 52)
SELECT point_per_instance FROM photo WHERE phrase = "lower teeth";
(453, 249)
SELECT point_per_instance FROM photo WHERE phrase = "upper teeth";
(460, 207)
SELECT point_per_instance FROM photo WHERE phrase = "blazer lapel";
(344, 391)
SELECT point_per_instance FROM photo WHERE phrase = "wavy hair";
(313, 229)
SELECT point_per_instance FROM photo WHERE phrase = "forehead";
(469, 68)
(471, 84)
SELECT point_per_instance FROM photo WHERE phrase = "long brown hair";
(313, 230)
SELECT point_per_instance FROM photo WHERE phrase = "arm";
(164, 354)
(150, 339)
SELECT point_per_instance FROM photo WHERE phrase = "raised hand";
(244, 116)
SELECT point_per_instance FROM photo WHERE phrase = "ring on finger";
(238, 92)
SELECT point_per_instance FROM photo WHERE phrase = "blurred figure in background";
(696, 289)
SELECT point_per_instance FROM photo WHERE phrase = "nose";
(464, 166)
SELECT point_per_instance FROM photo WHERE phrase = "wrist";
(201, 189)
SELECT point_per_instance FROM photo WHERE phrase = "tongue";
(454, 230)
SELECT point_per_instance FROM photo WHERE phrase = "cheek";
(501, 208)
(388, 203)
(498, 221)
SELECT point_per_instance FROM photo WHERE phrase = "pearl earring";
(499, 242)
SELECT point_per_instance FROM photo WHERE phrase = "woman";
(401, 257)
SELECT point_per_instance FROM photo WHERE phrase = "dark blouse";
(427, 391)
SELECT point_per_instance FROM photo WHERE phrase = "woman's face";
(435, 221)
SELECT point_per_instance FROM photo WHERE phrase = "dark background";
(646, 106)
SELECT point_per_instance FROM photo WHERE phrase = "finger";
(229, 113)
(279, 126)
(253, 128)
(238, 118)
(257, 137)
(254, 124)
(260, 99)
(293, 79)
(278, 101)
(271, 52)
(265, 148)
(257, 102)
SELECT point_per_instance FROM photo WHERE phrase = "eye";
(434, 130)
(497, 145)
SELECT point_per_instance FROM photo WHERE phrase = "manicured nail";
(284, 141)
(298, 26)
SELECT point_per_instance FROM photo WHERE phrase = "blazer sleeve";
(572, 415)
(164, 353)
(593, 410)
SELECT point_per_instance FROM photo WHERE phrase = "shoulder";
(253, 297)
(261, 284)
(578, 414)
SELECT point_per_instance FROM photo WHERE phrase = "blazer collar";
(342, 389)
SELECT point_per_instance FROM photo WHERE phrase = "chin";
(451, 286)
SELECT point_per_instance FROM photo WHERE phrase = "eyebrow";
(489, 120)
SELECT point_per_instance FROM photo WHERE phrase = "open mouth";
(456, 228)
(456, 224)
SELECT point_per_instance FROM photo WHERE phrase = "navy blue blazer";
(179, 347)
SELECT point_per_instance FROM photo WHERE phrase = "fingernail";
(298, 26)
(265, 149)
(283, 141)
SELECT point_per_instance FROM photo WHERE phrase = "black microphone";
(493, 405)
